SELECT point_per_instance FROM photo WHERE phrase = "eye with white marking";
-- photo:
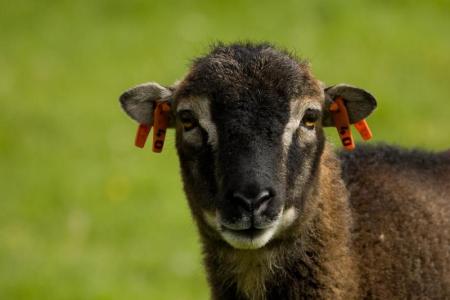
(310, 118)
(187, 120)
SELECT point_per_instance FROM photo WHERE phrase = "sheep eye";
(310, 118)
(187, 119)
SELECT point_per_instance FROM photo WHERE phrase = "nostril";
(264, 196)
(241, 200)
(252, 203)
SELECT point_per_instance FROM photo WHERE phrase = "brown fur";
(381, 234)
(389, 240)
(372, 224)
(314, 259)
(401, 211)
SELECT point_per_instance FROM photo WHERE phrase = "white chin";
(257, 241)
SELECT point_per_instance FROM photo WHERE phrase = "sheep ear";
(359, 102)
(139, 101)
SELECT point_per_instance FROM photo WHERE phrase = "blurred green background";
(83, 213)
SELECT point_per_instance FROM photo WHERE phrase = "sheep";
(280, 213)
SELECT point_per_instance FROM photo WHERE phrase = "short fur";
(369, 224)
(313, 261)
(388, 240)
(401, 210)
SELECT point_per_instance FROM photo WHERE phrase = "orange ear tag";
(363, 129)
(342, 122)
(142, 134)
(160, 123)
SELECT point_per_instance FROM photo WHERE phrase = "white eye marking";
(297, 111)
(200, 106)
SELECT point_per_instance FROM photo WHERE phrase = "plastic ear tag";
(161, 117)
(363, 129)
(160, 124)
(342, 122)
(141, 135)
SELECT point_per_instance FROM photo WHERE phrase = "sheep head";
(249, 133)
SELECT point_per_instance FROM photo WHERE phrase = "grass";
(84, 214)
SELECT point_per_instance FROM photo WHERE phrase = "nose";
(253, 202)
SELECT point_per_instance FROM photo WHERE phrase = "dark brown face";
(248, 129)
(249, 137)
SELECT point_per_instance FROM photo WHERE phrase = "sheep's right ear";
(139, 101)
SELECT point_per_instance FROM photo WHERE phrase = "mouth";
(252, 237)
(250, 233)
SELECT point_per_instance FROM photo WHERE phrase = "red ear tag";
(161, 122)
(363, 129)
(142, 134)
(342, 122)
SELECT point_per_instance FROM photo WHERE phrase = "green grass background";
(83, 213)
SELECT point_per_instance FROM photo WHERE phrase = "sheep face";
(249, 136)
(248, 124)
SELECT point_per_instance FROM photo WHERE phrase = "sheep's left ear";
(139, 102)
(359, 103)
